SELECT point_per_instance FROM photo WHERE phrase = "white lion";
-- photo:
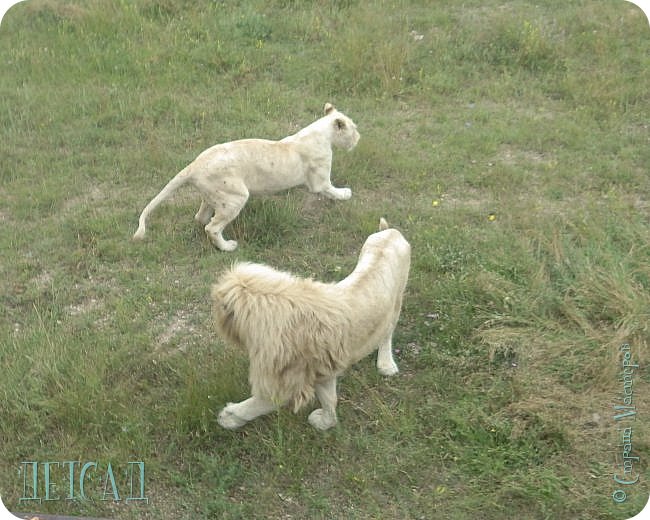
(226, 174)
(302, 334)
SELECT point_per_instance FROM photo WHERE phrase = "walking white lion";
(226, 174)
(301, 334)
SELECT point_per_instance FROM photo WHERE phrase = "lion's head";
(345, 133)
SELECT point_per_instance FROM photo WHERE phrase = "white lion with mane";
(226, 174)
(301, 334)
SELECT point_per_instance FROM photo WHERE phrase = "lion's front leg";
(235, 415)
(337, 193)
(324, 418)
(318, 181)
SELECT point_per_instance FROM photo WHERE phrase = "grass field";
(509, 142)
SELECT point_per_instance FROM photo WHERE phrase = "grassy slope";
(536, 114)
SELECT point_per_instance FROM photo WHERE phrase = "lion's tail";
(295, 330)
(181, 178)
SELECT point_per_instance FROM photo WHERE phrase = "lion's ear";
(328, 108)
(339, 123)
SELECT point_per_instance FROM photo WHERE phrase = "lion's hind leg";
(235, 415)
(204, 214)
(385, 363)
(226, 202)
(324, 418)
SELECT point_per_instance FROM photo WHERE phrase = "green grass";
(508, 344)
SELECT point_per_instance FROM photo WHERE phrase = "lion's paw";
(344, 193)
(228, 245)
(223, 245)
(388, 370)
(228, 420)
(321, 419)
